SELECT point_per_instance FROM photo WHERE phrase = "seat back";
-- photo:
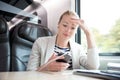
(4, 46)
(22, 38)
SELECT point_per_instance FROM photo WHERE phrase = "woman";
(45, 50)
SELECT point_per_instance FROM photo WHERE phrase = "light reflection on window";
(103, 17)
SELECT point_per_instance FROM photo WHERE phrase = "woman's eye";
(72, 28)
(64, 25)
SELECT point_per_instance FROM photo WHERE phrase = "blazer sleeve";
(34, 59)
(91, 59)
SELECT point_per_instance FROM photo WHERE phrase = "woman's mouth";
(66, 35)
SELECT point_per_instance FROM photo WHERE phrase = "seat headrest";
(31, 32)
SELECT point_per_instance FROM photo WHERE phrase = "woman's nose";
(68, 29)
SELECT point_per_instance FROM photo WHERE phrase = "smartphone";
(61, 60)
(65, 60)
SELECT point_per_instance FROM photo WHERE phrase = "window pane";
(103, 17)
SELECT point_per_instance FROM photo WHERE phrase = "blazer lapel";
(50, 48)
(73, 51)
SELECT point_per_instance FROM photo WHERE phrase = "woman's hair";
(68, 12)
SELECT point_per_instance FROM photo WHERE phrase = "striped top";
(59, 51)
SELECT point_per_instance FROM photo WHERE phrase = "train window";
(103, 17)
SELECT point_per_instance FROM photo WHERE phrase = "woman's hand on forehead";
(80, 22)
(77, 21)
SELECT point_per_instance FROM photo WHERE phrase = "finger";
(53, 56)
(82, 21)
(60, 57)
(58, 66)
(63, 66)
(77, 20)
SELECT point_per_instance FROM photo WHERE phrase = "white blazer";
(43, 48)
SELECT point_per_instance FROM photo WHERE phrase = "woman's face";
(67, 27)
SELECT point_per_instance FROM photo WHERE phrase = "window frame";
(78, 34)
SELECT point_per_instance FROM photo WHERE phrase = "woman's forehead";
(67, 19)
